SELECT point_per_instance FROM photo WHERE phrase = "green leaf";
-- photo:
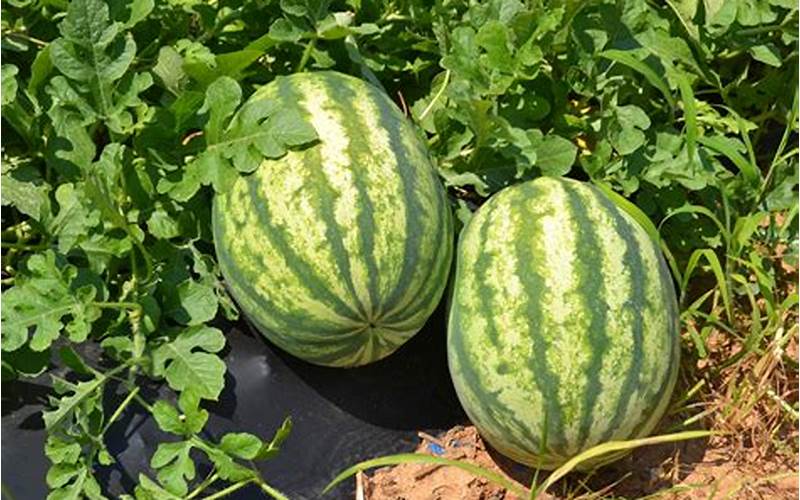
(627, 59)
(41, 69)
(285, 31)
(25, 361)
(240, 444)
(555, 155)
(73, 360)
(335, 26)
(194, 417)
(75, 218)
(192, 303)
(262, 129)
(147, 489)
(464, 179)
(9, 83)
(226, 467)
(24, 189)
(175, 466)
(41, 299)
(767, 54)
(169, 69)
(269, 450)
(59, 450)
(162, 225)
(167, 417)
(183, 366)
(728, 148)
(222, 99)
(84, 398)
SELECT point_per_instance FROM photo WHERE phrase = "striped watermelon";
(339, 252)
(563, 327)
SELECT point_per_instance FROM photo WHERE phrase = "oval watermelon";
(563, 327)
(338, 252)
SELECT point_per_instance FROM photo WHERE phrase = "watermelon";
(563, 326)
(339, 252)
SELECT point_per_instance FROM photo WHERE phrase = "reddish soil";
(687, 470)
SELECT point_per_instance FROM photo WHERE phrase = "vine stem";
(121, 408)
(206, 482)
(22, 246)
(269, 490)
(144, 403)
(436, 97)
(230, 489)
(306, 54)
(118, 305)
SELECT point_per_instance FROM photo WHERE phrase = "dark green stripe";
(332, 356)
(505, 423)
(437, 281)
(533, 284)
(358, 151)
(636, 304)
(321, 192)
(243, 285)
(294, 262)
(391, 120)
(289, 323)
(670, 303)
(589, 264)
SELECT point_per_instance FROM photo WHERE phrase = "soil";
(687, 470)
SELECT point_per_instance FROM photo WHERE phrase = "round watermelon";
(563, 327)
(338, 252)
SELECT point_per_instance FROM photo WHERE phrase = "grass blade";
(748, 170)
(701, 210)
(617, 446)
(418, 458)
(627, 59)
(689, 115)
(719, 274)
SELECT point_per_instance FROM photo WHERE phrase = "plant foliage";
(118, 129)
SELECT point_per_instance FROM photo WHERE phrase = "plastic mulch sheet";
(340, 416)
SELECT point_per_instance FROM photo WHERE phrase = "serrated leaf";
(162, 225)
(269, 450)
(262, 129)
(84, 394)
(147, 489)
(24, 189)
(169, 69)
(39, 302)
(195, 418)
(62, 473)
(222, 99)
(75, 218)
(9, 83)
(187, 361)
(167, 417)
(452, 178)
(240, 444)
(59, 450)
(175, 466)
(226, 467)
